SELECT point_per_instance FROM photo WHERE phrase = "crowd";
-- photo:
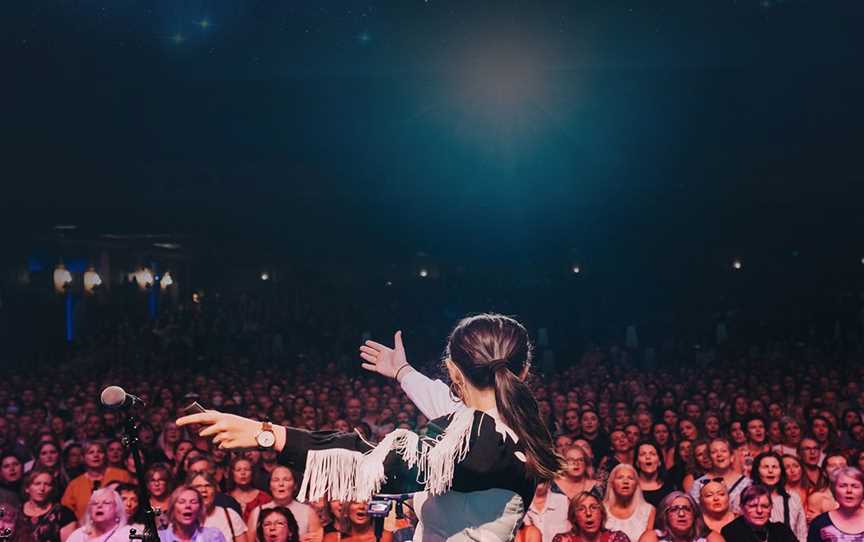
(710, 444)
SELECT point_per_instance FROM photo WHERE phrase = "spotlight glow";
(265, 276)
(424, 273)
(737, 265)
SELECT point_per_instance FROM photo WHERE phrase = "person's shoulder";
(212, 534)
(618, 536)
(820, 521)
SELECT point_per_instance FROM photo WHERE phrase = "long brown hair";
(491, 350)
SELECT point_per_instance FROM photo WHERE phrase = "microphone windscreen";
(113, 396)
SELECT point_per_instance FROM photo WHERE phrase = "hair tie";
(496, 364)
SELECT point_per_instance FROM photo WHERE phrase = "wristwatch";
(265, 438)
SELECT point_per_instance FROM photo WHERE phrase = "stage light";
(62, 278)
(737, 265)
(424, 273)
(92, 280)
(166, 281)
(576, 269)
(196, 297)
(265, 276)
(388, 283)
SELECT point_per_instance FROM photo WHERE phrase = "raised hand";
(382, 359)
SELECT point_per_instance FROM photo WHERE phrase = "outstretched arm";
(432, 397)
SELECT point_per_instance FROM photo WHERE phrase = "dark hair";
(661, 465)
(491, 350)
(752, 492)
(294, 530)
(757, 478)
(138, 516)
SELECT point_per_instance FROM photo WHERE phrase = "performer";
(477, 477)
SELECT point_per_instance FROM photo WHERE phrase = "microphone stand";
(130, 440)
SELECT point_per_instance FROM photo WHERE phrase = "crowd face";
(757, 511)
(703, 457)
(206, 490)
(736, 433)
(714, 498)
(620, 442)
(157, 484)
(571, 421)
(820, 430)
(241, 474)
(49, 455)
(130, 502)
(275, 527)
(41, 488)
(680, 516)
(115, 453)
(756, 431)
(688, 430)
(103, 509)
(647, 459)
(574, 465)
(849, 493)
(282, 484)
(661, 434)
(624, 483)
(793, 470)
(357, 514)
(589, 515)
(590, 423)
(770, 471)
(187, 509)
(810, 452)
(721, 455)
(11, 469)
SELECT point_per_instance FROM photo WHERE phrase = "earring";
(455, 393)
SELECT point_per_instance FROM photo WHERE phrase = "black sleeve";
(66, 516)
(300, 441)
(491, 462)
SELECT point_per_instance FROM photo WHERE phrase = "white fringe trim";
(438, 460)
(348, 475)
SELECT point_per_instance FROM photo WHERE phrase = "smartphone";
(194, 408)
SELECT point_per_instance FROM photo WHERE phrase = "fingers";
(369, 358)
(370, 351)
(369, 367)
(397, 341)
(377, 346)
(206, 418)
(213, 429)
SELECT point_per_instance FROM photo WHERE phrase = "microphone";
(116, 397)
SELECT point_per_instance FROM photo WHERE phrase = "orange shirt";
(77, 494)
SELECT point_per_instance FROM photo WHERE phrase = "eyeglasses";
(576, 461)
(707, 481)
(678, 509)
(202, 487)
(277, 523)
(581, 509)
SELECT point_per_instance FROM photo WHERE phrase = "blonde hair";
(610, 497)
(120, 511)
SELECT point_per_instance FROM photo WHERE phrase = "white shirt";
(432, 397)
(121, 534)
(218, 520)
(552, 519)
(797, 519)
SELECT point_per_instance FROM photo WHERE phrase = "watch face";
(266, 439)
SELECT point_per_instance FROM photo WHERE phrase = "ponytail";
(518, 408)
(491, 350)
